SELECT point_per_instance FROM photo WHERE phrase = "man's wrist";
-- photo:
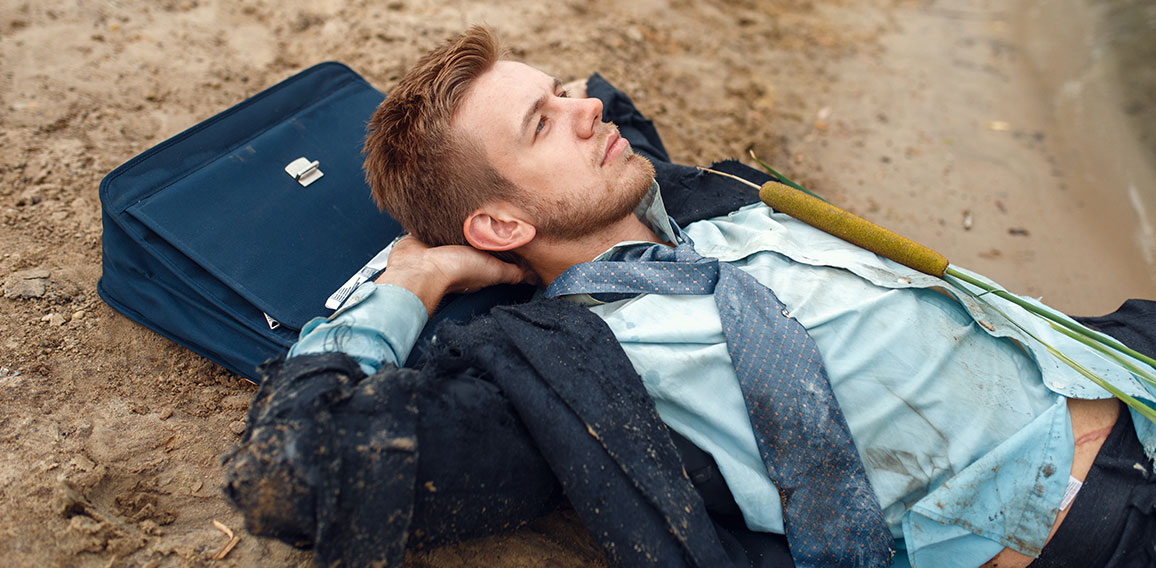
(428, 286)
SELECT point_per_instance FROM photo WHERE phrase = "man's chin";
(640, 174)
(633, 158)
(623, 199)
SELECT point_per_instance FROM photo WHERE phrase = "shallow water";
(1096, 59)
(1125, 32)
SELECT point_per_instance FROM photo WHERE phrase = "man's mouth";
(615, 145)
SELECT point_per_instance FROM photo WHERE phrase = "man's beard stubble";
(575, 219)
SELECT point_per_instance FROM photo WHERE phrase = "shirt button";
(785, 314)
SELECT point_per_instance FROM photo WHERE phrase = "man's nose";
(588, 115)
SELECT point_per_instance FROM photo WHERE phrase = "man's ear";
(498, 227)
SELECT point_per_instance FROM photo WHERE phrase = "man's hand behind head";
(432, 272)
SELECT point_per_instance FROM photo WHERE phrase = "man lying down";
(874, 415)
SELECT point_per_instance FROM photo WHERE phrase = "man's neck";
(551, 257)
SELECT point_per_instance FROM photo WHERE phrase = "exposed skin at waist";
(1092, 421)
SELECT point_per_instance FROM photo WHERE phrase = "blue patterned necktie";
(830, 512)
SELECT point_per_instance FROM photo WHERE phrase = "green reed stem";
(1144, 410)
(1141, 373)
(1052, 317)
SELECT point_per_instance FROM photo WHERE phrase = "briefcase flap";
(240, 217)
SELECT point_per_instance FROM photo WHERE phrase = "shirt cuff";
(377, 326)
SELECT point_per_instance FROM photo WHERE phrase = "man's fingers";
(531, 277)
(493, 271)
(461, 269)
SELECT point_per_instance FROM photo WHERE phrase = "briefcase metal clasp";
(304, 171)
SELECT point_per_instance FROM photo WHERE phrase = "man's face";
(577, 174)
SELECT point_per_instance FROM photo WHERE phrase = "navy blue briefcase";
(230, 236)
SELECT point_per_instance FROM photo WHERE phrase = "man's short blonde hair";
(426, 176)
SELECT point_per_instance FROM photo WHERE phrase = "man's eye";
(541, 124)
(564, 94)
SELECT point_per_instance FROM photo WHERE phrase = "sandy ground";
(929, 117)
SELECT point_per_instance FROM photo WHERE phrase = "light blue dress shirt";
(959, 417)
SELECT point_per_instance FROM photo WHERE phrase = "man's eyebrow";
(538, 105)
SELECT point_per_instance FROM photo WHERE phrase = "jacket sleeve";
(360, 467)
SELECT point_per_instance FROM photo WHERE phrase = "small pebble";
(32, 274)
(53, 319)
(237, 426)
(25, 288)
(150, 527)
(78, 314)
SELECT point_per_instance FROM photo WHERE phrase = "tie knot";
(657, 252)
(640, 269)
